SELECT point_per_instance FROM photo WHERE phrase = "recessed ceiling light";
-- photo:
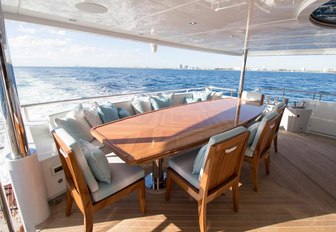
(192, 23)
(91, 7)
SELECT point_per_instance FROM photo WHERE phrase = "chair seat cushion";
(122, 176)
(183, 165)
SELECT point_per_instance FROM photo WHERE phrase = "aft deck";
(299, 195)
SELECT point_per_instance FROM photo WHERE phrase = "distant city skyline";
(36, 45)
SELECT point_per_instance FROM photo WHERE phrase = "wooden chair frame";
(222, 171)
(276, 132)
(78, 191)
(262, 150)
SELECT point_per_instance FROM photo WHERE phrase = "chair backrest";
(224, 161)
(253, 96)
(280, 109)
(73, 173)
(266, 136)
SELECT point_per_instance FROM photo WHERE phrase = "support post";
(245, 48)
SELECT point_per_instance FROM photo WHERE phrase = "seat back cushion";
(73, 145)
(141, 105)
(179, 98)
(123, 113)
(251, 96)
(161, 101)
(253, 130)
(108, 112)
(75, 124)
(97, 161)
(91, 114)
(213, 140)
(269, 116)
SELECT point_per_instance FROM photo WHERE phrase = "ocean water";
(37, 84)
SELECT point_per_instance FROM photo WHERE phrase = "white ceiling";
(278, 27)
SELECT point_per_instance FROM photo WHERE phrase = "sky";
(36, 45)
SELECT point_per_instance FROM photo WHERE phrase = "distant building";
(180, 66)
(186, 66)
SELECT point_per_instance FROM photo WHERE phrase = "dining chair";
(280, 108)
(259, 144)
(253, 96)
(219, 164)
(91, 195)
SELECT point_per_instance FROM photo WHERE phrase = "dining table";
(154, 135)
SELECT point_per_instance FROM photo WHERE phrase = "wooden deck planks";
(299, 195)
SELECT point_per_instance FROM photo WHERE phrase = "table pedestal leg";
(156, 180)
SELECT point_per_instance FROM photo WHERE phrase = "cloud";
(26, 29)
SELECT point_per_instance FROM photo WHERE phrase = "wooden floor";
(299, 195)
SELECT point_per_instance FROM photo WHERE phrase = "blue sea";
(41, 84)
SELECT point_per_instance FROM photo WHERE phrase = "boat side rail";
(315, 95)
(27, 107)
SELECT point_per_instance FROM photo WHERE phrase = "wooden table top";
(156, 134)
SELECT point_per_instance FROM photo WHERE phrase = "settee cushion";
(122, 176)
(141, 105)
(161, 101)
(91, 114)
(203, 95)
(75, 124)
(108, 112)
(73, 145)
(123, 113)
(191, 100)
(97, 161)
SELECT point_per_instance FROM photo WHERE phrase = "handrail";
(123, 94)
(283, 90)
(26, 107)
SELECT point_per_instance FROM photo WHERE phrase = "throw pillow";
(141, 105)
(75, 124)
(191, 100)
(161, 101)
(216, 95)
(204, 96)
(92, 115)
(123, 113)
(108, 112)
(97, 161)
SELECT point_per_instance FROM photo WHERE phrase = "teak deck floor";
(299, 195)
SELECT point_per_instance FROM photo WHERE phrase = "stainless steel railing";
(27, 107)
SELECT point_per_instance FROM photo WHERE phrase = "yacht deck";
(299, 195)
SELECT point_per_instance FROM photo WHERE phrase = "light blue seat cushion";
(213, 140)
(161, 101)
(204, 96)
(97, 161)
(91, 114)
(268, 116)
(122, 176)
(183, 165)
(75, 124)
(253, 130)
(71, 142)
(108, 112)
(123, 113)
(191, 100)
(141, 105)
